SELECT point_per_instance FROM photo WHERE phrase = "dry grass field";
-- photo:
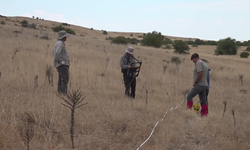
(111, 121)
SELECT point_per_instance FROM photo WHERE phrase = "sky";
(203, 19)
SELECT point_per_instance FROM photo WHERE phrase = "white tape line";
(157, 124)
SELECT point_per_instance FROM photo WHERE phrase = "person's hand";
(194, 84)
(129, 67)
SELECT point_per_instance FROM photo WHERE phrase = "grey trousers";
(201, 90)
(63, 78)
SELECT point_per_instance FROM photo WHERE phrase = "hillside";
(111, 121)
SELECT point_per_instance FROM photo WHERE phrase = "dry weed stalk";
(35, 82)
(25, 128)
(233, 117)
(72, 102)
(241, 78)
(107, 62)
(15, 51)
(49, 74)
(225, 106)
(146, 97)
(164, 68)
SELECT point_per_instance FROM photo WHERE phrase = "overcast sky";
(204, 19)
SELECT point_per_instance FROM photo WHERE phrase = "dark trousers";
(63, 78)
(130, 85)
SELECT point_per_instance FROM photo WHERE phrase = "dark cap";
(195, 55)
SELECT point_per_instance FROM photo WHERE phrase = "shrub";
(24, 23)
(65, 24)
(153, 39)
(248, 49)
(91, 29)
(167, 41)
(181, 47)
(131, 34)
(2, 22)
(168, 47)
(244, 54)
(176, 60)
(105, 32)
(68, 30)
(120, 40)
(226, 46)
(195, 45)
(198, 42)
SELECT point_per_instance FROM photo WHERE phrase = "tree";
(226, 46)
(181, 47)
(153, 39)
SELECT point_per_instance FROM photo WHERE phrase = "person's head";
(195, 57)
(129, 51)
(63, 35)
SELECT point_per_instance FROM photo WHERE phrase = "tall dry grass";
(110, 120)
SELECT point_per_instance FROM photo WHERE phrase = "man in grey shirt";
(127, 63)
(200, 84)
(61, 61)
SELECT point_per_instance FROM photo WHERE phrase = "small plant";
(244, 54)
(241, 78)
(25, 128)
(168, 47)
(194, 45)
(131, 34)
(2, 22)
(91, 29)
(72, 102)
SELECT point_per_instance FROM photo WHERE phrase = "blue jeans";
(201, 90)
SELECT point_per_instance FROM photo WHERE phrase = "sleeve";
(57, 51)
(199, 66)
(123, 64)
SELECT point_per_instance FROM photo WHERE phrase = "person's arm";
(57, 53)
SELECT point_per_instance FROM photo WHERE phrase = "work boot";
(204, 110)
(189, 105)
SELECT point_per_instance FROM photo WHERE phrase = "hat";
(195, 55)
(129, 50)
(62, 34)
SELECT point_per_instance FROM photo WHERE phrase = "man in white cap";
(127, 63)
(61, 61)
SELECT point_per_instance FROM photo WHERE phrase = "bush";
(226, 46)
(176, 60)
(168, 47)
(198, 42)
(120, 40)
(195, 45)
(24, 23)
(105, 32)
(91, 29)
(65, 24)
(68, 30)
(181, 47)
(244, 54)
(2, 22)
(248, 49)
(153, 39)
